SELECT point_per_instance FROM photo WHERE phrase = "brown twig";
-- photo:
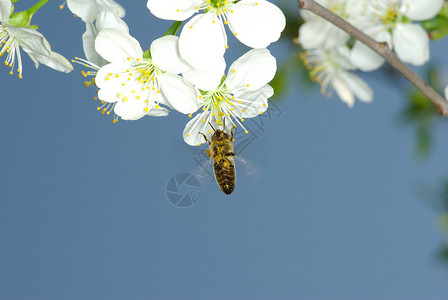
(382, 49)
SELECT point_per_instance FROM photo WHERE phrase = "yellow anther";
(242, 120)
(98, 108)
(247, 85)
(246, 131)
(128, 58)
(199, 144)
(138, 97)
(116, 76)
(188, 134)
(146, 109)
(227, 47)
(125, 99)
(203, 120)
(157, 107)
(189, 117)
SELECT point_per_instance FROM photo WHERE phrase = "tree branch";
(382, 49)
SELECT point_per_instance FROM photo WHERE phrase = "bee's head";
(220, 135)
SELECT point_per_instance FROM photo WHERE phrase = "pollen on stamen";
(188, 134)
(146, 109)
(203, 120)
(227, 47)
(189, 117)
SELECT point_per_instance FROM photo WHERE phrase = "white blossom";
(332, 69)
(243, 94)
(203, 40)
(391, 21)
(136, 84)
(31, 41)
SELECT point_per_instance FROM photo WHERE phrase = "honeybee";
(222, 152)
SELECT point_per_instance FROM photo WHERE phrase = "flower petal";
(111, 6)
(180, 94)
(320, 33)
(178, 10)
(130, 110)
(165, 55)
(88, 44)
(196, 125)
(419, 10)
(359, 87)
(107, 19)
(206, 80)
(5, 10)
(109, 89)
(251, 71)
(256, 23)
(411, 43)
(365, 58)
(31, 40)
(343, 90)
(202, 41)
(158, 112)
(86, 10)
(54, 61)
(253, 103)
(115, 46)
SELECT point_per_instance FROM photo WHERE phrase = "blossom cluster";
(332, 56)
(185, 73)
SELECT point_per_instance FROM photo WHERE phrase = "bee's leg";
(208, 152)
(231, 132)
(208, 142)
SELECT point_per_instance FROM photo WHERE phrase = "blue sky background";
(333, 211)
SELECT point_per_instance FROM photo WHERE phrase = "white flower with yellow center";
(243, 94)
(13, 36)
(203, 40)
(331, 68)
(88, 10)
(317, 32)
(93, 60)
(391, 21)
(139, 83)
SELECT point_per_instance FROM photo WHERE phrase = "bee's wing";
(248, 167)
(203, 170)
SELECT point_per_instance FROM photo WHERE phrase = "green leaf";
(438, 26)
